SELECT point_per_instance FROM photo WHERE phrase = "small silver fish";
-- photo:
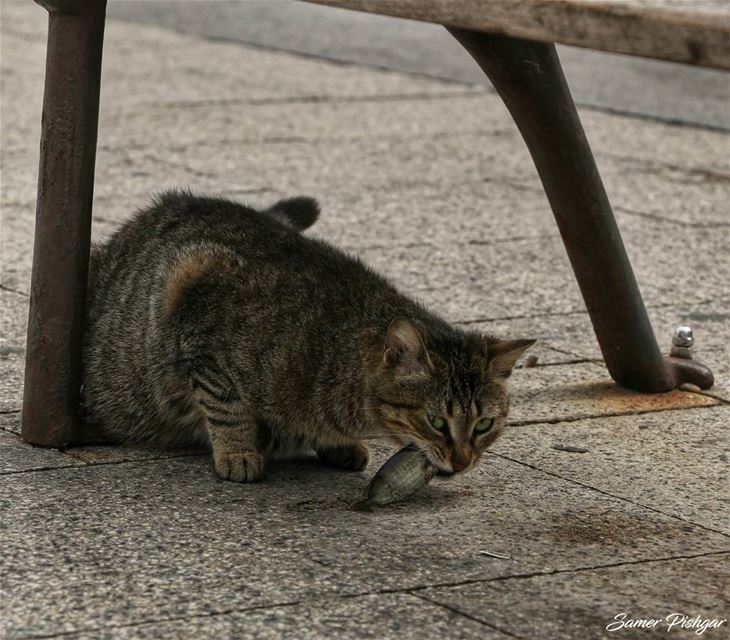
(402, 475)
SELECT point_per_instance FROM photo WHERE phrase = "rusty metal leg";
(529, 78)
(63, 220)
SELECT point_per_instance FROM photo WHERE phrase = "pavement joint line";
(311, 140)
(672, 122)
(469, 616)
(483, 88)
(6, 430)
(90, 465)
(564, 362)
(682, 223)
(36, 469)
(617, 414)
(212, 614)
(144, 196)
(11, 290)
(308, 99)
(405, 590)
(608, 493)
(520, 423)
(414, 245)
(657, 166)
(709, 393)
(572, 354)
(573, 312)
(523, 316)
(539, 574)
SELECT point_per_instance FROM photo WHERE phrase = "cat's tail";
(298, 213)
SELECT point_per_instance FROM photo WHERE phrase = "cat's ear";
(404, 348)
(503, 354)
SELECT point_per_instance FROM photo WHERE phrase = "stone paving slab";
(107, 454)
(16, 456)
(653, 147)
(10, 421)
(218, 72)
(115, 538)
(14, 317)
(374, 616)
(461, 281)
(555, 394)
(639, 143)
(163, 539)
(693, 194)
(644, 453)
(12, 369)
(579, 605)
(573, 334)
(585, 389)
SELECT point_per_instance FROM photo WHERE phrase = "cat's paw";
(352, 458)
(239, 467)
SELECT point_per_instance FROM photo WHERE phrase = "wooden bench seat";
(690, 31)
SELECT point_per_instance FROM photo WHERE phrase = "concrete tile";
(106, 454)
(334, 119)
(145, 63)
(109, 546)
(423, 217)
(568, 392)
(10, 421)
(674, 461)
(12, 368)
(390, 616)
(459, 280)
(18, 457)
(531, 276)
(683, 153)
(224, 70)
(573, 334)
(14, 316)
(580, 605)
(16, 244)
(135, 549)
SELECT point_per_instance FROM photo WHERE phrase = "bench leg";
(63, 221)
(529, 78)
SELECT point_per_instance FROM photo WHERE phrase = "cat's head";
(444, 393)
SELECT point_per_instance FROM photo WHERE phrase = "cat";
(212, 324)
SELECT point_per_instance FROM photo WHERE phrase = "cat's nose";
(459, 466)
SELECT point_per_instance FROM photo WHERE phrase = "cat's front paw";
(352, 458)
(239, 467)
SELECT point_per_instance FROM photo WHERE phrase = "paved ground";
(429, 182)
(601, 80)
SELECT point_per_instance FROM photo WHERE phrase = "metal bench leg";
(529, 78)
(63, 220)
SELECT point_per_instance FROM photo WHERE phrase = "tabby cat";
(212, 324)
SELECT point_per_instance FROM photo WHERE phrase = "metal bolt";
(682, 342)
(683, 337)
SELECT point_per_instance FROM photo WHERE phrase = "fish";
(401, 476)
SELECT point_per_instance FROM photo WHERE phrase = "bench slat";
(690, 31)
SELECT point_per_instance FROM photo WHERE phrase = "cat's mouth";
(433, 456)
(442, 465)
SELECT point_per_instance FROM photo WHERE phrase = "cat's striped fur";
(210, 323)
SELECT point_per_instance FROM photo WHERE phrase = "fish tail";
(364, 505)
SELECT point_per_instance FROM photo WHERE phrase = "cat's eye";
(483, 426)
(438, 423)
